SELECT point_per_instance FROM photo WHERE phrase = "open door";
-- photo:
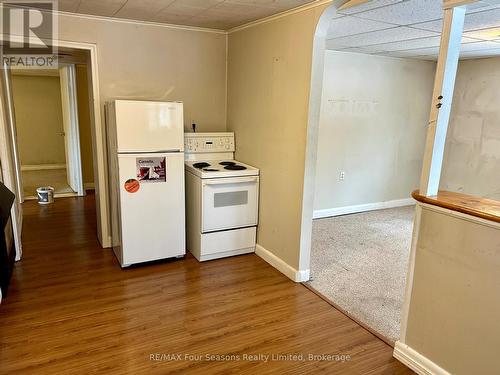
(67, 76)
(9, 157)
(11, 118)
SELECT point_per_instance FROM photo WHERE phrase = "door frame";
(97, 132)
(67, 78)
(8, 162)
(11, 117)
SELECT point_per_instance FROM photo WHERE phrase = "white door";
(143, 126)
(71, 131)
(10, 164)
(11, 118)
(230, 203)
(152, 213)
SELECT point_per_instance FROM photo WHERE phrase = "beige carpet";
(359, 262)
(50, 177)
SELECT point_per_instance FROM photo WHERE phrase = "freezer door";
(152, 206)
(143, 126)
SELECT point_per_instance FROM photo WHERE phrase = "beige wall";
(152, 62)
(374, 111)
(472, 154)
(140, 61)
(82, 92)
(269, 70)
(37, 103)
(455, 305)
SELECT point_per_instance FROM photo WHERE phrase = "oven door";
(229, 203)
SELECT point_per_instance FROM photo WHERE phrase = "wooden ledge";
(484, 208)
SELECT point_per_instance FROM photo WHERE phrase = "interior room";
(377, 90)
(370, 152)
(43, 135)
(282, 186)
(37, 100)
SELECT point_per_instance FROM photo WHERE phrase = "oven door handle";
(230, 181)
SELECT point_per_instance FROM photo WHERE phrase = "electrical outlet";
(342, 176)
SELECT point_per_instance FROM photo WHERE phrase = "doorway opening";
(81, 58)
(370, 100)
(370, 97)
(52, 114)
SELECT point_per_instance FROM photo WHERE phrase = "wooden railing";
(479, 207)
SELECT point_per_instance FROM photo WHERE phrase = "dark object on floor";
(7, 255)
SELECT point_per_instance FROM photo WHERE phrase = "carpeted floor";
(359, 262)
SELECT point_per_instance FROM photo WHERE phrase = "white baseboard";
(42, 167)
(416, 361)
(329, 212)
(281, 265)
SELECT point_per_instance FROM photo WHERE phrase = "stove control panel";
(208, 142)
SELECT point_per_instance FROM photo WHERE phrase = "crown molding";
(135, 22)
(285, 13)
(259, 21)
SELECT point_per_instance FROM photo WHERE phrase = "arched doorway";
(377, 108)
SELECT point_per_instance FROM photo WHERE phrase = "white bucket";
(45, 194)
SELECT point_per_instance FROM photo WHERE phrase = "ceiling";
(215, 14)
(412, 28)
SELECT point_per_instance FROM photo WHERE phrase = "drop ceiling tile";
(426, 58)
(360, 50)
(434, 41)
(395, 54)
(241, 7)
(478, 46)
(349, 25)
(100, 8)
(482, 20)
(368, 6)
(423, 57)
(179, 8)
(485, 34)
(393, 34)
(216, 21)
(333, 45)
(406, 12)
(436, 26)
(143, 9)
(418, 51)
(174, 19)
(474, 7)
(480, 54)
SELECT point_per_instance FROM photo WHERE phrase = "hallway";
(71, 309)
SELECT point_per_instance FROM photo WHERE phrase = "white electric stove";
(222, 198)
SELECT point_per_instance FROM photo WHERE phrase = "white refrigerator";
(146, 169)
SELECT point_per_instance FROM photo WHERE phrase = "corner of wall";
(416, 361)
(293, 274)
(227, 81)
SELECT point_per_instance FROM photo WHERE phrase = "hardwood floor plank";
(71, 309)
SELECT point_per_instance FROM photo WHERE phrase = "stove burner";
(227, 163)
(209, 170)
(201, 165)
(235, 167)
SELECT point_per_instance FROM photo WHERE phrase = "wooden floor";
(71, 309)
